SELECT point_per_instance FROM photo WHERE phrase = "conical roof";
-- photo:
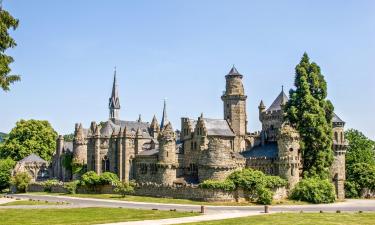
(32, 158)
(233, 72)
(281, 99)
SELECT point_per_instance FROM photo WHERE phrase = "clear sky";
(181, 50)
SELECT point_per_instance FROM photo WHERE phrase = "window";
(153, 168)
(342, 137)
(105, 164)
(336, 137)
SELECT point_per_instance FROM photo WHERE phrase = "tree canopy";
(6, 166)
(7, 21)
(30, 136)
(311, 114)
(360, 163)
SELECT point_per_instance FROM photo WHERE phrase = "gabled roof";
(32, 158)
(282, 98)
(218, 127)
(132, 126)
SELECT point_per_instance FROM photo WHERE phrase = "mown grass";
(133, 198)
(25, 202)
(300, 219)
(82, 216)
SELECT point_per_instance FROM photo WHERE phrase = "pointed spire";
(261, 105)
(154, 122)
(114, 100)
(139, 118)
(164, 119)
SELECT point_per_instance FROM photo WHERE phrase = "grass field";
(26, 202)
(133, 198)
(300, 219)
(82, 216)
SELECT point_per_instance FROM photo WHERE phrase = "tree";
(124, 188)
(360, 163)
(360, 149)
(68, 137)
(6, 41)
(6, 166)
(30, 136)
(311, 114)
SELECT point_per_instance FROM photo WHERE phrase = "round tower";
(289, 161)
(167, 155)
(234, 100)
(79, 146)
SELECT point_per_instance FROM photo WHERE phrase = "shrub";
(77, 168)
(314, 190)
(265, 196)
(90, 179)
(124, 188)
(67, 161)
(21, 181)
(226, 185)
(352, 189)
(48, 184)
(71, 187)
(6, 166)
(108, 178)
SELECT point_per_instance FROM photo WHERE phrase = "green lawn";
(133, 198)
(300, 219)
(25, 202)
(82, 216)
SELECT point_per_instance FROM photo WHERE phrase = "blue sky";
(181, 50)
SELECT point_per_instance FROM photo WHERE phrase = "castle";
(204, 148)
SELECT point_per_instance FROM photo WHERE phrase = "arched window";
(105, 164)
(336, 137)
(342, 137)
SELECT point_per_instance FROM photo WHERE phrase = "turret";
(154, 127)
(289, 162)
(59, 145)
(167, 155)
(262, 109)
(234, 100)
(167, 144)
(79, 145)
(114, 101)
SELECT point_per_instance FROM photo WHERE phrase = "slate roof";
(218, 127)
(337, 119)
(269, 150)
(281, 99)
(233, 72)
(132, 126)
(32, 158)
(149, 152)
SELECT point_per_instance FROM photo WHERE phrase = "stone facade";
(36, 167)
(204, 149)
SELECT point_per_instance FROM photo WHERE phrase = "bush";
(90, 179)
(314, 190)
(124, 188)
(361, 176)
(352, 189)
(6, 166)
(71, 187)
(21, 181)
(77, 168)
(48, 184)
(108, 178)
(265, 196)
(226, 185)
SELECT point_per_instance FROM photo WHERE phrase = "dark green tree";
(30, 136)
(311, 114)
(6, 41)
(68, 137)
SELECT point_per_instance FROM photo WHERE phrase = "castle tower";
(234, 100)
(154, 127)
(114, 100)
(262, 109)
(340, 145)
(167, 154)
(289, 161)
(79, 145)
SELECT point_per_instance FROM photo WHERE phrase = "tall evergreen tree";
(6, 41)
(311, 114)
